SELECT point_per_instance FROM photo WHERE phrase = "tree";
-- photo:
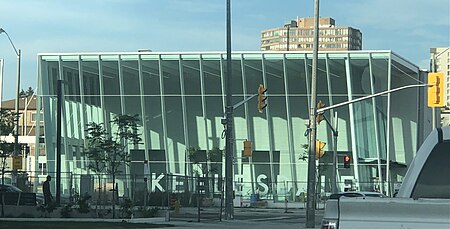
(215, 156)
(110, 149)
(30, 91)
(6, 148)
(320, 169)
(96, 154)
(6, 128)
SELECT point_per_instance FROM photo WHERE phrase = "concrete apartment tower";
(298, 35)
(440, 62)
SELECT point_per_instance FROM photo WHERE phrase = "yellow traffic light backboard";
(319, 116)
(261, 98)
(17, 162)
(436, 92)
(319, 149)
(248, 148)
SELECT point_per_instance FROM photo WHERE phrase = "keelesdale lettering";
(177, 183)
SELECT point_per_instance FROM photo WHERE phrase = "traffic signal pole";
(229, 211)
(334, 129)
(311, 187)
(321, 110)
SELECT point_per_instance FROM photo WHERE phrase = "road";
(245, 218)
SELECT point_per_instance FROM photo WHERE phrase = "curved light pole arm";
(10, 41)
(16, 132)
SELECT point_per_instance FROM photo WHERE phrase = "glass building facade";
(180, 98)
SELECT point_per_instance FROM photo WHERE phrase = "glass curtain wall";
(179, 98)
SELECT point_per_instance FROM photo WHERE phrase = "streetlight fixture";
(288, 26)
(16, 132)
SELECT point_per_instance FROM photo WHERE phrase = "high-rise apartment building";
(440, 62)
(298, 35)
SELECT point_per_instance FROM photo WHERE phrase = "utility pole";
(334, 129)
(58, 141)
(311, 188)
(229, 211)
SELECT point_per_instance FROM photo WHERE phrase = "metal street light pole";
(288, 27)
(311, 188)
(16, 132)
(288, 30)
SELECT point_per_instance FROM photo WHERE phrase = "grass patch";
(76, 225)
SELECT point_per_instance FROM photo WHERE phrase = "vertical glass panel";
(71, 81)
(277, 103)
(91, 87)
(191, 77)
(214, 103)
(404, 118)
(53, 76)
(130, 74)
(52, 72)
(195, 123)
(236, 84)
(173, 113)
(131, 90)
(71, 90)
(237, 92)
(175, 133)
(298, 103)
(253, 78)
(363, 110)
(323, 132)
(153, 112)
(171, 74)
(380, 75)
(339, 93)
(112, 88)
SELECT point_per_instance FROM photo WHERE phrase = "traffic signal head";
(347, 161)
(261, 98)
(436, 86)
(319, 149)
(319, 116)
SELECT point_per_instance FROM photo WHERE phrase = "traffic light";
(319, 149)
(261, 98)
(319, 116)
(248, 148)
(436, 86)
(347, 161)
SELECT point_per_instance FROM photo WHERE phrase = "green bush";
(66, 210)
(83, 204)
(149, 212)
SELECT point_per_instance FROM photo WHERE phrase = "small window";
(434, 179)
(43, 168)
(34, 117)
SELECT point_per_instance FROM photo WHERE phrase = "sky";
(407, 27)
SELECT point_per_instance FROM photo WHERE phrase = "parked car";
(422, 202)
(357, 194)
(8, 188)
(14, 196)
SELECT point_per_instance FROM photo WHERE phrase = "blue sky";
(408, 27)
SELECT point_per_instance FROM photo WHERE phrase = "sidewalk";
(244, 218)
